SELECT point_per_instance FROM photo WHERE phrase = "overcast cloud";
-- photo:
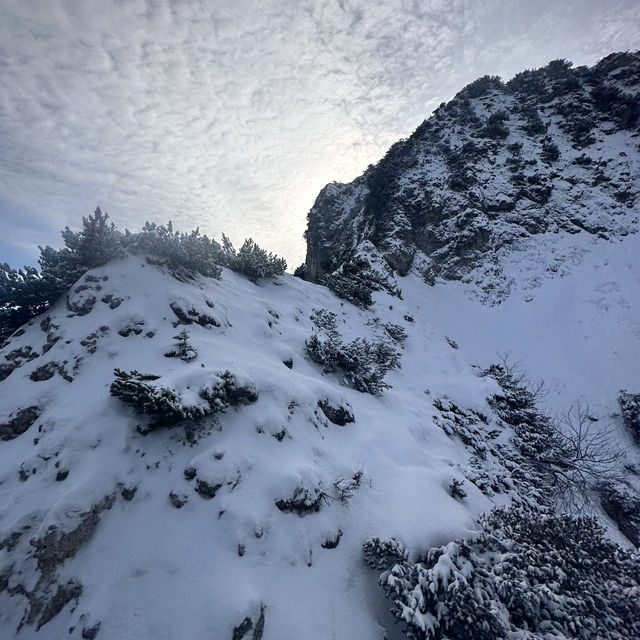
(232, 115)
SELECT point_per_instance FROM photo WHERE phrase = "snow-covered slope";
(189, 533)
(187, 457)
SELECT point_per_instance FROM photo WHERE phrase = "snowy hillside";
(261, 511)
(433, 434)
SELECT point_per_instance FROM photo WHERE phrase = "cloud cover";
(232, 115)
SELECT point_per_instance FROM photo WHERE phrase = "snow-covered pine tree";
(182, 348)
(383, 554)
(98, 242)
(255, 263)
(185, 254)
(630, 405)
(22, 296)
(527, 575)
(166, 407)
(361, 363)
(26, 293)
(228, 253)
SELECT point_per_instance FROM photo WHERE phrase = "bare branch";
(586, 457)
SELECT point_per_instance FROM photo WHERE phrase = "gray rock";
(178, 500)
(339, 415)
(630, 405)
(207, 490)
(90, 633)
(20, 423)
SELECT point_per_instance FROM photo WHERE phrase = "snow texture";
(150, 570)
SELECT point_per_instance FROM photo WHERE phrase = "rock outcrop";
(551, 151)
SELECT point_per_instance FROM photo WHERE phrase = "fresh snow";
(157, 572)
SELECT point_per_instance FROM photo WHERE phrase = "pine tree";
(98, 242)
(27, 292)
(22, 296)
(164, 405)
(255, 262)
(229, 255)
(527, 575)
(361, 363)
(182, 349)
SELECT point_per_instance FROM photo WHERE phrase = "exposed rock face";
(247, 625)
(50, 593)
(191, 316)
(47, 371)
(550, 151)
(339, 415)
(15, 359)
(206, 489)
(624, 509)
(19, 423)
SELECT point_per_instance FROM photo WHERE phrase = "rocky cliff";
(551, 152)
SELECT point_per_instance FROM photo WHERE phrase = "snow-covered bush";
(533, 121)
(325, 320)
(460, 166)
(494, 127)
(621, 107)
(482, 86)
(162, 404)
(383, 554)
(302, 501)
(630, 405)
(456, 490)
(25, 293)
(455, 421)
(166, 407)
(570, 454)
(536, 437)
(550, 151)
(301, 271)
(527, 575)
(396, 332)
(186, 254)
(226, 391)
(252, 261)
(362, 364)
(356, 280)
(355, 289)
(343, 488)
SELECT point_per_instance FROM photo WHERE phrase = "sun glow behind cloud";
(232, 116)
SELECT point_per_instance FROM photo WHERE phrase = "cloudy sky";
(231, 115)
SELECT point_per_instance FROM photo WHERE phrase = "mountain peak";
(551, 152)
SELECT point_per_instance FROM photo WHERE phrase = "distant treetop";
(27, 292)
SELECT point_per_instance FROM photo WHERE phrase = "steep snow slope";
(578, 329)
(78, 546)
(151, 570)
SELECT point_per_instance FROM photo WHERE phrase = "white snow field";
(149, 570)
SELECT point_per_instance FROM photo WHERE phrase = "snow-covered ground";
(575, 326)
(150, 570)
